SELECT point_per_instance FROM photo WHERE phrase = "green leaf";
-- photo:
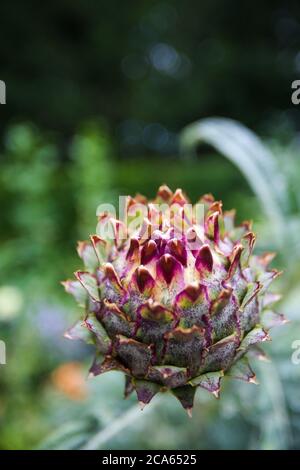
(256, 162)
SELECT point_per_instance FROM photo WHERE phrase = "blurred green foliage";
(48, 202)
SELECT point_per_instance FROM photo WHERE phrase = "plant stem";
(122, 422)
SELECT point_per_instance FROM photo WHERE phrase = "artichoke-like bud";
(172, 299)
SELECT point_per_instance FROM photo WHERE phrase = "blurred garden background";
(97, 95)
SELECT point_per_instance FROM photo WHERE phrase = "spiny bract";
(174, 309)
